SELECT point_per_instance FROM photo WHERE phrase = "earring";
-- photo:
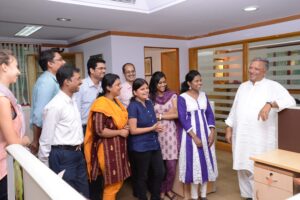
(190, 88)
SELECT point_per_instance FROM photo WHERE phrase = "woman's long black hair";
(107, 81)
(154, 82)
(189, 77)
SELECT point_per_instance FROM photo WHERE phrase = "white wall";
(131, 49)
(118, 50)
(274, 29)
(155, 54)
(99, 46)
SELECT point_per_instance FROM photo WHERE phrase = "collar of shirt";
(127, 85)
(258, 82)
(66, 98)
(90, 83)
(51, 75)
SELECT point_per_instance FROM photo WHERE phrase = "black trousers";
(3, 188)
(143, 163)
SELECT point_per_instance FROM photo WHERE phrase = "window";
(221, 70)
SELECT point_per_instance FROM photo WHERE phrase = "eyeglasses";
(130, 72)
(100, 68)
(59, 59)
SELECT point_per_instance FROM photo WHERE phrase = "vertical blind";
(20, 88)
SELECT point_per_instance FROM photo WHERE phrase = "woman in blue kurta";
(197, 160)
(143, 144)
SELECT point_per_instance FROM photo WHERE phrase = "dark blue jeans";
(75, 168)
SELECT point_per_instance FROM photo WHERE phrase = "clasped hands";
(198, 142)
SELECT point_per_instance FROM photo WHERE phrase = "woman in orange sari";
(105, 145)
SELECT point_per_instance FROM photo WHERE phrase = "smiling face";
(142, 93)
(196, 83)
(257, 71)
(99, 71)
(162, 85)
(56, 63)
(129, 73)
(74, 82)
(11, 70)
(14, 70)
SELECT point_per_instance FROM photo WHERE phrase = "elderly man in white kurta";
(252, 122)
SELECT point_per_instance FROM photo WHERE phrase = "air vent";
(125, 1)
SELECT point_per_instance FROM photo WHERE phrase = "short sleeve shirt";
(146, 117)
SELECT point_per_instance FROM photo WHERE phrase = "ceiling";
(189, 18)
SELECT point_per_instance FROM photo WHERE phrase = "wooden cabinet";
(272, 183)
(263, 191)
(273, 174)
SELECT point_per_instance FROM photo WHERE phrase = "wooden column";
(193, 58)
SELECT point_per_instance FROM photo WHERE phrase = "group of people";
(98, 132)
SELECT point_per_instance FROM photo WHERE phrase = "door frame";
(177, 52)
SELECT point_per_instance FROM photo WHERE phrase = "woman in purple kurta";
(197, 159)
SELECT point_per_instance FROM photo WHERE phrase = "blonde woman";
(12, 123)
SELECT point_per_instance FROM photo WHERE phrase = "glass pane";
(222, 73)
(284, 57)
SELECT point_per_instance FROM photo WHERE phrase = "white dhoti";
(252, 136)
(246, 183)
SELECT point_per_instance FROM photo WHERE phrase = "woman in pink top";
(165, 106)
(11, 123)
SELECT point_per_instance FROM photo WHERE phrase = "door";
(170, 67)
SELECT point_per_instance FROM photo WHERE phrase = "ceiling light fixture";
(62, 19)
(141, 6)
(251, 8)
(28, 30)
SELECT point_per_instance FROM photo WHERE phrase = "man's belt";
(67, 147)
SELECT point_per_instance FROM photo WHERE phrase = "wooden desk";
(273, 174)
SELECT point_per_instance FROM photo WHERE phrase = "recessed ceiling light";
(62, 19)
(28, 30)
(251, 8)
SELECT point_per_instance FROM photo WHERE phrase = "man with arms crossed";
(252, 121)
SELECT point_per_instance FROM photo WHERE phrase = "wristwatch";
(269, 102)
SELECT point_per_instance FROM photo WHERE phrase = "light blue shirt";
(86, 95)
(45, 88)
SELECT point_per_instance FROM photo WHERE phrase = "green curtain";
(20, 88)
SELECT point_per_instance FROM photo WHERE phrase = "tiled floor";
(227, 184)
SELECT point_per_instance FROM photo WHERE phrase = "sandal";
(162, 196)
(173, 196)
